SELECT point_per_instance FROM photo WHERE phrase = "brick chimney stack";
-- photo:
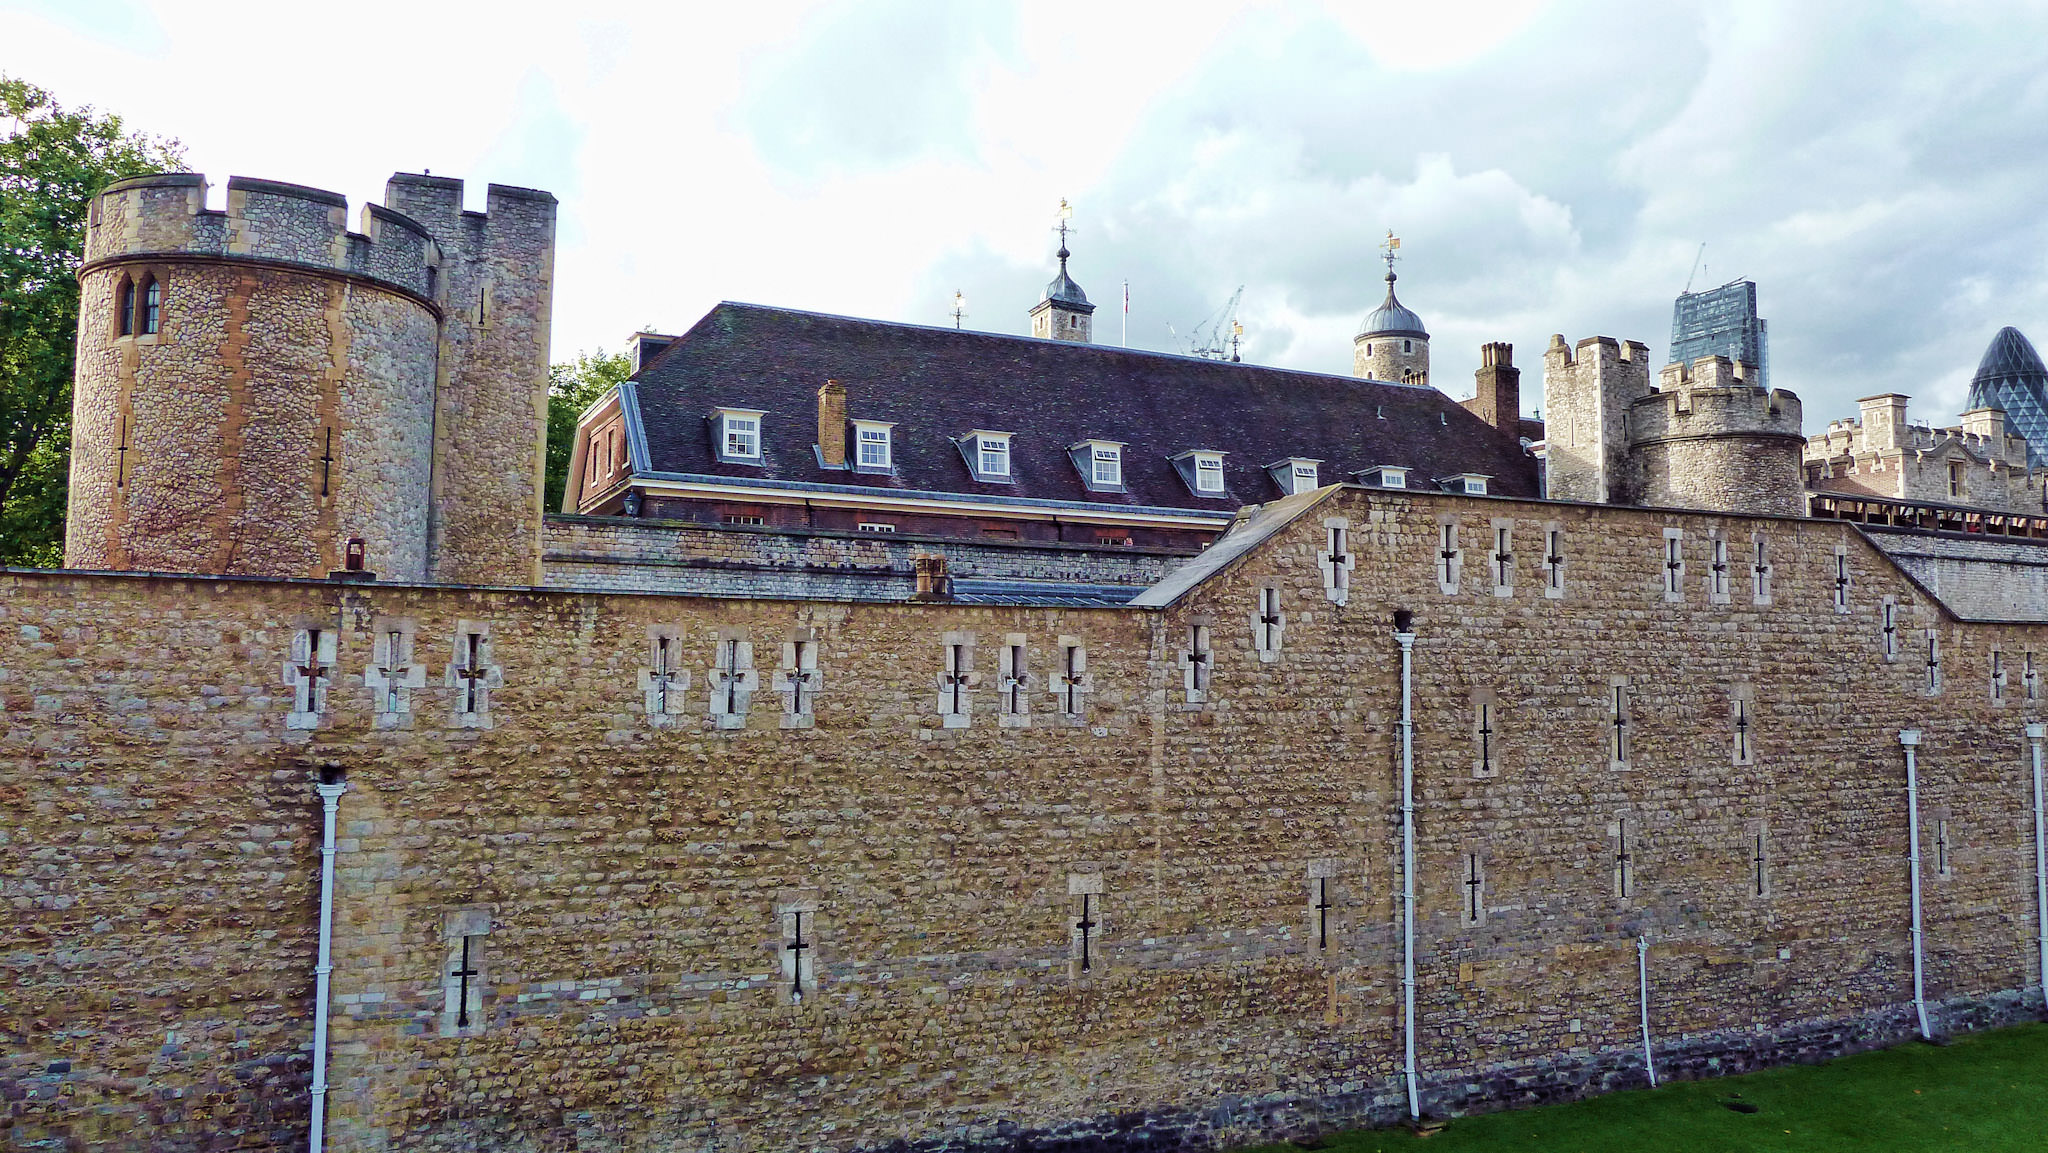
(1499, 402)
(832, 424)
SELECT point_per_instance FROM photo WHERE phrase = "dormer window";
(1202, 470)
(1468, 483)
(1385, 475)
(1109, 464)
(1101, 463)
(873, 451)
(1295, 474)
(738, 435)
(987, 455)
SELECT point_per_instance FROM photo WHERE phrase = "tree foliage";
(53, 161)
(572, 386)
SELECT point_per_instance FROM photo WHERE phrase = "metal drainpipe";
(1404, 633)
(2035, 732)
(330, 800)
(1910, 739)
(1643, 983)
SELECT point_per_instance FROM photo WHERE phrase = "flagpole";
(1127, 314)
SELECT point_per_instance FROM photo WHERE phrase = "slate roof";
(937, 384)
(1042, 593)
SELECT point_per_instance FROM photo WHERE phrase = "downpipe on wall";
(2035, 733)
(1404, 634)
(1643, 985)
(1910, 740)
(330, 788)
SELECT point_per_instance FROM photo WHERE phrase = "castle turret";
(1710, 438)
(1586, 398)
(258, 386)
(491, 415)
(1065, 313)
(1391, 343)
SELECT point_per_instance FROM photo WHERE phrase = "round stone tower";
(1391, 344)
(1707, 438)
(259, 386)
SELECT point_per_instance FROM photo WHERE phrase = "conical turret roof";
(1392, 318)
(2011, 377)
(1063, 291)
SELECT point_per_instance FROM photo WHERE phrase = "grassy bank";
(1986, 1092)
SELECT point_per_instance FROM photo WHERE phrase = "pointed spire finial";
(1066, 215)
(1388, 248)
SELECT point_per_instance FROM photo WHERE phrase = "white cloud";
(1551, 166)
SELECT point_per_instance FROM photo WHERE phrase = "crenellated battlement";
(1712, 397)
(166, 215)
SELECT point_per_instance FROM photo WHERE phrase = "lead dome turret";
(1392, 344)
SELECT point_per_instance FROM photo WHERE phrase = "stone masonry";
(1705, 438)
(583, 926)
(625, 554)
(1980, 463)
(308, 384)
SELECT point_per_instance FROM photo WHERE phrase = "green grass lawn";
(1985, 1092)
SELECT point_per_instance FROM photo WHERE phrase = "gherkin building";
(2011, 377)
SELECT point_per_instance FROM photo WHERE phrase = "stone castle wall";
(629, 878)
(1974, 576)
(620, 554)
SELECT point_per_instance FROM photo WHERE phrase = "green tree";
(572, 386)
(53, 161)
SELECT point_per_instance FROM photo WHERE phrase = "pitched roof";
(937, 384)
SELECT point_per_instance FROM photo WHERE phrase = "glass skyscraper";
(1722, 322)
(2011, 377)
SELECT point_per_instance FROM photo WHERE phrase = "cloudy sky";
(1879, 169)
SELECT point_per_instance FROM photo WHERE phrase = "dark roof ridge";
(1042, 341)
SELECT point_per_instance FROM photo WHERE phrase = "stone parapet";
(265, 220)
(627, 554)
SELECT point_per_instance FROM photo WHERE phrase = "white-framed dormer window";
(1202, 470)
(872, 449)
(739, 435)
(1385, 475)
(1468, 483)
(1101, 463)
(988, 454)
(1296, 474)
(1108, 466)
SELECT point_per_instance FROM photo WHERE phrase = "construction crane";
(1217, 337)
(1695, 267)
